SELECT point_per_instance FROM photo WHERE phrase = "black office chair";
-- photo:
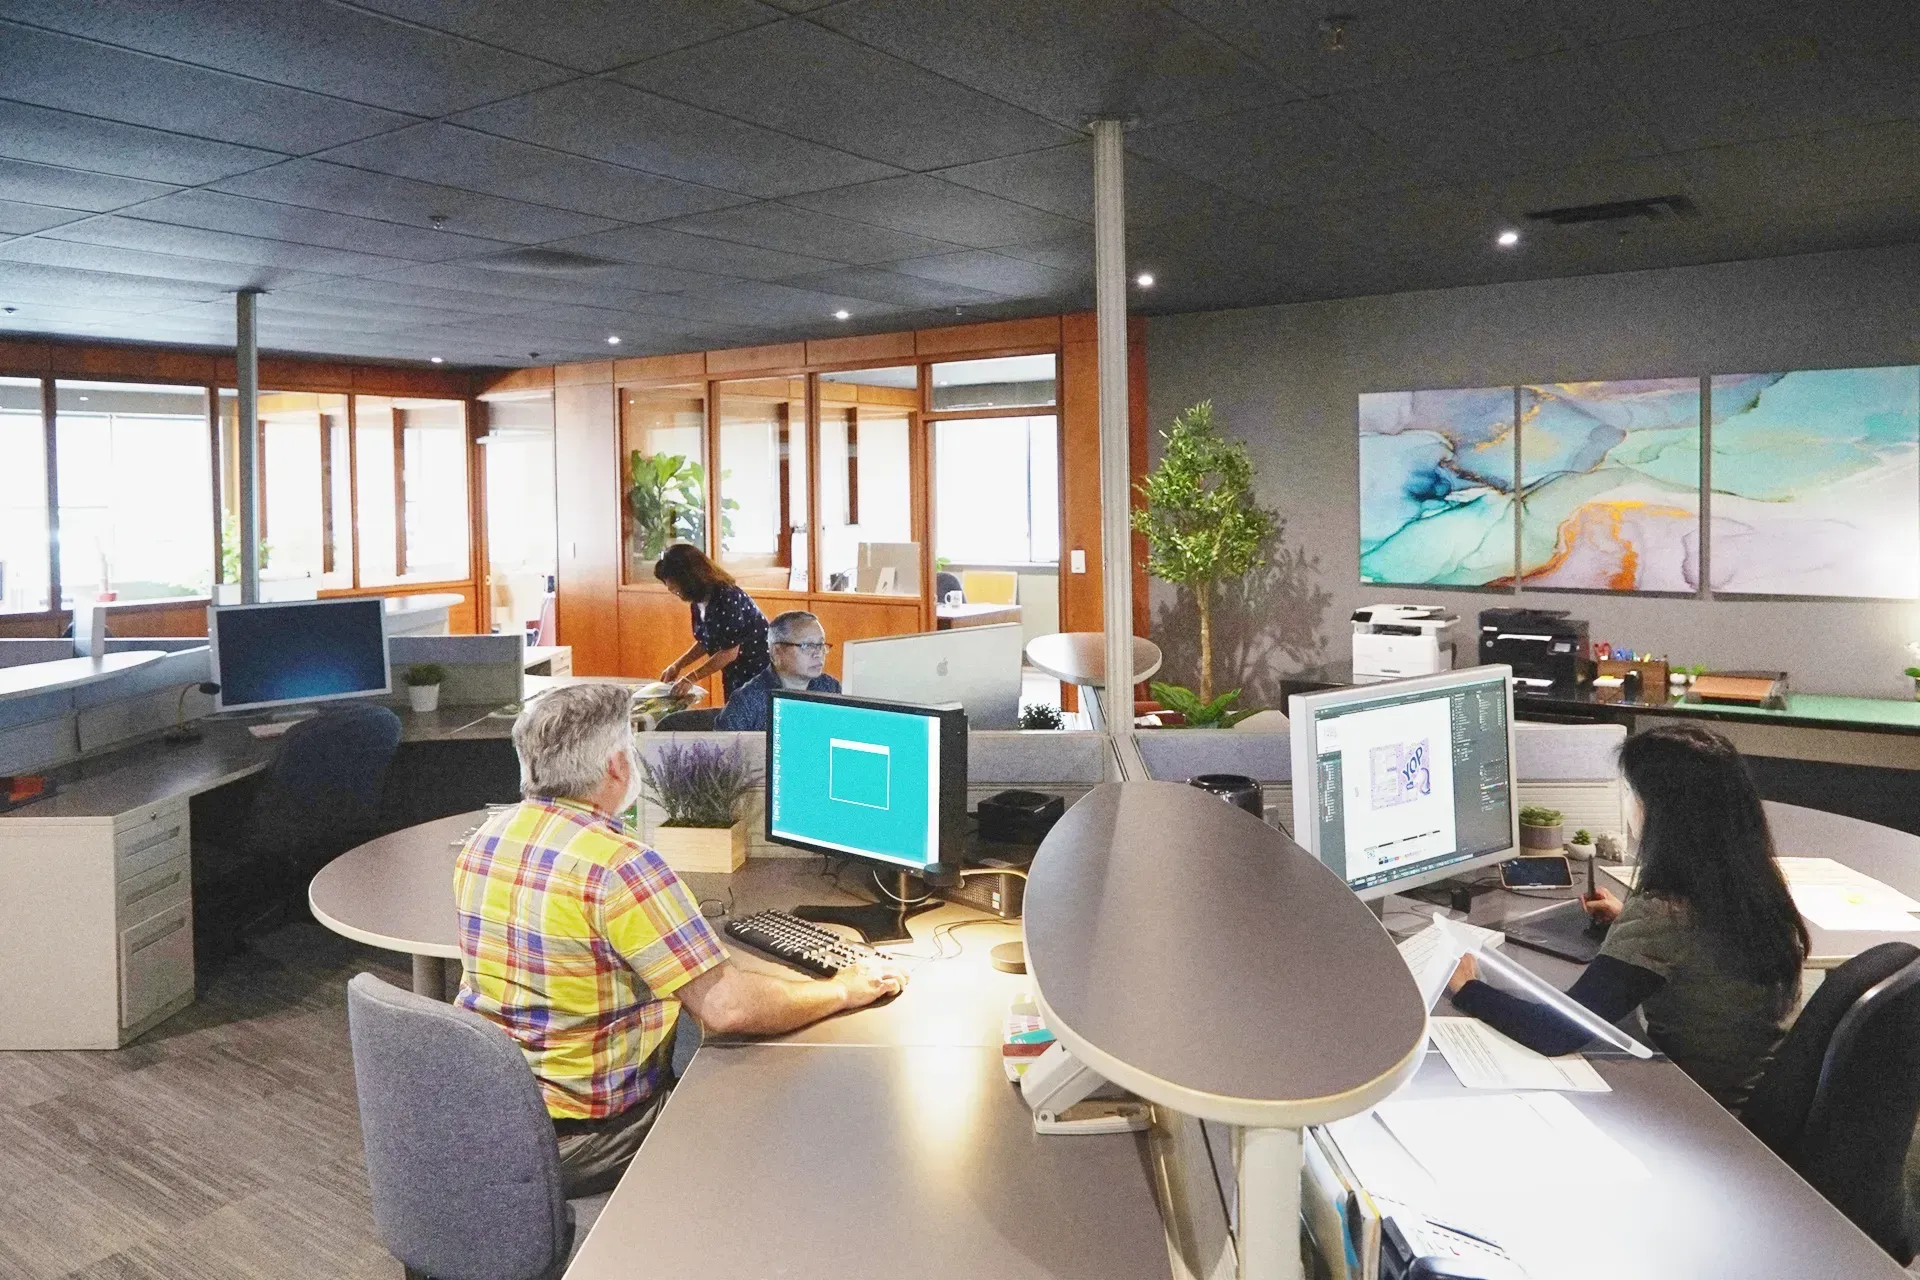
(1840, 1100)
(945, 583)
(692, 720)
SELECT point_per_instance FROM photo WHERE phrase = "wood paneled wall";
(586, 457)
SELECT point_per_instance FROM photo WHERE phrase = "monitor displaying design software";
(301, 651)
(1403, 783)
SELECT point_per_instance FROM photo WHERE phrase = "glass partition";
(663, 486)
(763, 482)
(1006, 382)
(411, 467)
(25, 552)
(305, 491)
(997, 490)
(522, 546)
(135, 475)
(866, 481)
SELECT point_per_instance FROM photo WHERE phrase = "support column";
(1116, 480)
(246, 350)
(1268, 1198)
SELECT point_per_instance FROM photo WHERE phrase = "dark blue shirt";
(731, 618)
(750, 707)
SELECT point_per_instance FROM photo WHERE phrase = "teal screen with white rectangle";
(856, 779)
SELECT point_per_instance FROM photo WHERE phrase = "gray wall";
(1284, 379)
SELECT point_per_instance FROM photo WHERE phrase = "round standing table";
(1079, 658)
(396, 893)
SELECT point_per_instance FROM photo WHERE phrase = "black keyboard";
(797, 942)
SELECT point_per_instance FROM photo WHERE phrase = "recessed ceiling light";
(1144, 279)
(613, 339)
(435, 360)
(843, 314)
(1507, 239)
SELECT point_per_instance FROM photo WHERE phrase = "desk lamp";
(182, 731)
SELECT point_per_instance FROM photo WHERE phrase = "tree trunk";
(1204, 595)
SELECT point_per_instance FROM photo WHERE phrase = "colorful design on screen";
(1400, 773)
(1610, 485)
(1437, 487)
(1816, 483)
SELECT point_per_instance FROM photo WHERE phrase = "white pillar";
(247, 412)
(1116, 480)
(1268, 1199)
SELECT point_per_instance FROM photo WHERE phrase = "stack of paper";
(1431, 957)
(1510, 1144)
(1838, 898)
(1485, 1059)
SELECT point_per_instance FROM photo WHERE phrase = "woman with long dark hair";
(729, 631)
(1708, 944)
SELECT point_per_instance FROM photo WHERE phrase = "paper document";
(1431, 957)
(1627, 873)
(1485, 1059)
(1525, 1145)
(1841, 909)
(1825, 872)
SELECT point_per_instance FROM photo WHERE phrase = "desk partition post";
(1268, 1197)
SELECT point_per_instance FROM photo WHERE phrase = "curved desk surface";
(1080, 657)
(396, 893)
(1309, 1015)
(31, 678)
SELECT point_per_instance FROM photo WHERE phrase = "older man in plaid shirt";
(583, 945)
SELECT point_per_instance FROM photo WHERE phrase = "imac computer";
(977, 667)
(1399, 784)
(267, 655)
(883, 783)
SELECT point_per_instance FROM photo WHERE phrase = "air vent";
(1653, 209)
(545, 261)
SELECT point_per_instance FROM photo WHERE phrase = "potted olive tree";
(699, 786)
(1541, 830)
(423, 681)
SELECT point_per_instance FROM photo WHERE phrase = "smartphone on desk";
(1548, 871)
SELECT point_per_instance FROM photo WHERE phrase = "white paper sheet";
(1485, 1059)
(1840, 909)
(1531, 1145)
(1825, 872)
(1431, 958)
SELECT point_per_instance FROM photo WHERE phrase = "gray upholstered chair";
(460, 1153)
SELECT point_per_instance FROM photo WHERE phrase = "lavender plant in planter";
(699, 786)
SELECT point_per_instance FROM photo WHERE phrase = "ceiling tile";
(1069, 60)
(403, 293)
(1398, 40)
(591, 35)
(18, 219)
(659, 246)
(72, 188)
(1070, 252)
(769, 225)
(202, 276)
(218, 211)
(1845, 167)
(1604, 20)
(68, 74)
(1293, 153)
(1551, 110)
(623, 125)
(1060, 180)
(994, 273)
(925, 206)
(217, 246)
(513, 284)
(103, 146)
(315, 184)
(474, 161)
(878, 284)
(814, 84)
(334, 49)
(754, 301)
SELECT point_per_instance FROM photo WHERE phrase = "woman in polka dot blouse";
(729, 631)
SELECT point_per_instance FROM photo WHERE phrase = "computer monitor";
(977, 667)
(1399, 784)
(266, 655)
(884, 783)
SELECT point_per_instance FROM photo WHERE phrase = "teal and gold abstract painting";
(1816, 483)
(1610, 485)
(1437, 487)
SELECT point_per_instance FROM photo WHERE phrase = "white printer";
(1395, 640)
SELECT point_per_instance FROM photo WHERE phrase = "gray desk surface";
(923, 1162)
(69, 673)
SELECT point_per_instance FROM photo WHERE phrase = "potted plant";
(1042, 715)
(423, 681)
(699, 786)
(1540, 829)
(1913, 673)
(1200, 521)
(1197, 712)
(1581, 846)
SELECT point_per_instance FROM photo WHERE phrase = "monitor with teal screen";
(881, 782)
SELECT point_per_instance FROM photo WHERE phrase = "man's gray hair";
(566, 736)
(785, 628)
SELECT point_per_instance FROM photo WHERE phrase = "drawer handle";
(179, 923)
(154, 888)
(152, 841)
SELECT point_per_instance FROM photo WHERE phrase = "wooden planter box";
(707, 849)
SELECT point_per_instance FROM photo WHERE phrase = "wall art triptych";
(1812, 481)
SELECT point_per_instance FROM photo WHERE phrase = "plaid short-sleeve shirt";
(573, 938)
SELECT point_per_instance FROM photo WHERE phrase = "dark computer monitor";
(266, 655)
(882, 783)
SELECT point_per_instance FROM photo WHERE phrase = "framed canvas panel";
(1437, 473)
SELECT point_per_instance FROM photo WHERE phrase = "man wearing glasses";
(799, 647)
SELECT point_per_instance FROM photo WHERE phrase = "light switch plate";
(1077, 559)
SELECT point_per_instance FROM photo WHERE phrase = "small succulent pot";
(423, 697)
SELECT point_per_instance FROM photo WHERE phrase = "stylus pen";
(1592, 884)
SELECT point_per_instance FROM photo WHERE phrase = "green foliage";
(699, 784)
(1042, 715)
(424, 673)
(230, 548)
(1538, 815)
(1912, 671)
(1198, 712)
(1583, 836)
(667, 498)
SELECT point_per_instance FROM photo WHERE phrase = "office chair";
(691, 720)
(1840, 1100)
(460, 1153)
(945, 584)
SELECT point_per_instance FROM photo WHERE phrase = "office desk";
(971, 614)
(396, 893)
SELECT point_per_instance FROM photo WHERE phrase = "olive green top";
(1719, 1026)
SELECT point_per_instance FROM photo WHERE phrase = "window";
(25, 554)
(305, 490)
(866, 481)
(663, 486)
(135, 478)
(522, 550)
(410, 467)
(997, 490)
(1007, 382)
(763, 482)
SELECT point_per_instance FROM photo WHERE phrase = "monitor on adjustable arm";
(882, 783)
(1400, 784)
(267, 655)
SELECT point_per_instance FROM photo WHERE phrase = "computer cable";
(894, 898)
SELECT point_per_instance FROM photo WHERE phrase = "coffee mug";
(956, 597)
